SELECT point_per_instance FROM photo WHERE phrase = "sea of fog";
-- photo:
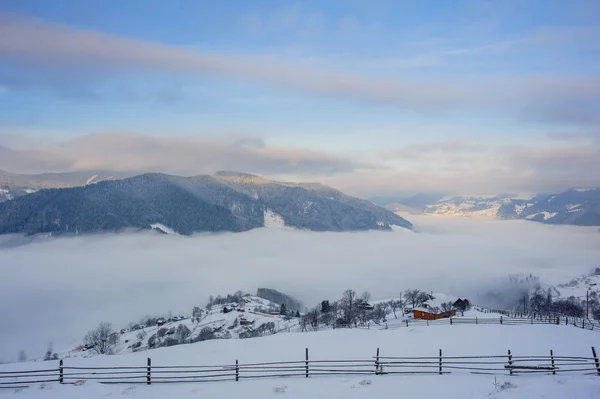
(57, 290)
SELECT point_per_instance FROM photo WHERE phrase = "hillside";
(185, 205)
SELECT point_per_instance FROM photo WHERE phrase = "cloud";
(135, 152)
(458, 167)
(58, 290)
(38, 44)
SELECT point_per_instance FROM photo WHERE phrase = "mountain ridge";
(220, 202)
(575, 206)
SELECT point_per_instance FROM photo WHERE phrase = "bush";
(161, 332)
(152, 341)
(249, 334)
(170, 341)
(182, 333)
(205, 334)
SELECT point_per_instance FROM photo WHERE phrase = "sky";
(372, 97)
(57, 290)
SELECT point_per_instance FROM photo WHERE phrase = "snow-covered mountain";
(13, 185)
(486, 206)
(225, 201)
(576, 206)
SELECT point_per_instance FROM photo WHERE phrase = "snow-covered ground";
(163, 228)
(345, 387)
(545, 215)
(273, 220)
(456, 340)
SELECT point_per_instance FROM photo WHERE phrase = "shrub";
(161, 332)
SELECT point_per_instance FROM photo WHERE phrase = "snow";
(521, 207)
(583, 190)
(273, 220)
(91, 179)
(163, 228)
(344, 387)
(455, 340)
(546, 215)
(578, 287)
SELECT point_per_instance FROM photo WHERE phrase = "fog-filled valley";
(56, 290)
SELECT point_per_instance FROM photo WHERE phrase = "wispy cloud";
(456, 167)
(38, 44)
(134, 152)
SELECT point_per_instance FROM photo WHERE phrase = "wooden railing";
(378, 365)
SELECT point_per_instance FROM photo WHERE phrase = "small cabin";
(428, 314)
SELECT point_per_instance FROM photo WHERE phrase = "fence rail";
(377, 365)
(556, 320)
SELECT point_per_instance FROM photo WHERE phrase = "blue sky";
(459, 86)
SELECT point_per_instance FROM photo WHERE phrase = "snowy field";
(58, 290)
(466, 340)
(430, 387)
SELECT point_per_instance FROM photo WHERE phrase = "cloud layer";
(58, 290)
(133, 152)
(452, 167)
(34, 44)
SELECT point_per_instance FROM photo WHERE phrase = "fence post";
(440, 362)
(500, 319)
(237, 370)
(510, 362)
(377, 362)
(552, 360)
(451, 321)
(427, 322)
(476, 320)
(406, 322)
(60, 372)
(148, 375)
(596, 360)
(306, 362)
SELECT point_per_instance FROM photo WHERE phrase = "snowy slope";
(457, 340)
(254, 313)
(273, 220)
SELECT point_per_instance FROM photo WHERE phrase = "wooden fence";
(556, 320)
(507, 364)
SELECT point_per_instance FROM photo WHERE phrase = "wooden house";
(428, 314)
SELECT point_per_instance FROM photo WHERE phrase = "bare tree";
(348, 306)
(196, 314)
(313, 318)
(447, 306)
(103, 339)
(537, 302)
(378, 313)
(366, 296)
(22, 356)
(411, 296)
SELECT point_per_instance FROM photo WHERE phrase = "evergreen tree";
(282, 310)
